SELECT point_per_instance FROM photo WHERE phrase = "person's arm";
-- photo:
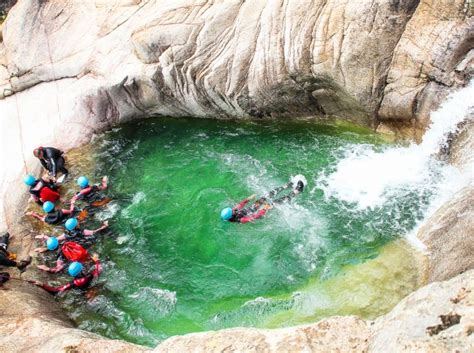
(255, 216)
(244, 202)
(70, 210)
(54, 290)
(59, 267)
(88, 233)
(103, 185)
(36, 215)
(98, 267)
(43, 163)
(41, 250)
(52, 163)
(62, 237)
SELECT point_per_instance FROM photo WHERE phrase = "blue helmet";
(226, 214)
(82, 181)
(48, 206)
(52, 243)
(75, 268)
(29, 179)
(71, 223)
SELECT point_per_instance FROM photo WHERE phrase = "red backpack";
(74, 252)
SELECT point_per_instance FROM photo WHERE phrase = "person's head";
(38, 152)
(83, 182)
(48, 206)
(71, 224)
(226, 214)
(52, 243)
(75, 268)
(29, 179)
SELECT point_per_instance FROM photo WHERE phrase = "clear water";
(173, 267)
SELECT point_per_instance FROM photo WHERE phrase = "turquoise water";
(171, 266)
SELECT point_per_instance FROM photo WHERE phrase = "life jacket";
(46, 194)
(74, 252)
(55, 217)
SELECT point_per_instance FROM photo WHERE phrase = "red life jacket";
(74, 252)
(46, 194)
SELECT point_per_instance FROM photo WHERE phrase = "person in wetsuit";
(74, 233)
(8, 259)
(82, 279)
(91, 193)
(242, 214)
(53, 216)
(51, 159)
(42, 189)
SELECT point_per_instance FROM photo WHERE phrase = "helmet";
(226, 213)
(48, 206)
(75, 268)
(29, 179)
(52, 243)
(82, 181)
(71, 223)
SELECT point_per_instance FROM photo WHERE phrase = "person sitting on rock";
(91, 193)
(82, 279)
(242, 214)
(51, 159)
(9, 259)
(53, 216)
(42, 190)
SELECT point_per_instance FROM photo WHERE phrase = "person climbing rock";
(82, 279)
(51, 159)
(242, 213)
(42, 190)
(53, 216)
(74, 233)
(92, 194)
(9, 259)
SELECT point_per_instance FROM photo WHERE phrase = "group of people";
(70, 247)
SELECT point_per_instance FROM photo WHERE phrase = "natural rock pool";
(173, 267)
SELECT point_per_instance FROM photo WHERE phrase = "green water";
(171, 266)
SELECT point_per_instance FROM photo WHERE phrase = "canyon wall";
(71, 69)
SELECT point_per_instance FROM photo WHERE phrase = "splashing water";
(171, 266)
(372, 178)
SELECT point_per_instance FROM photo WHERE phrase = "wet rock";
(405, 328)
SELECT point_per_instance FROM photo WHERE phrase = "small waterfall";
(367, 179)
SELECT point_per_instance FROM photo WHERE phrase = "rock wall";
(435, 318)
(72, 69)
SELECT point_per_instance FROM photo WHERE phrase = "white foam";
(368, 179)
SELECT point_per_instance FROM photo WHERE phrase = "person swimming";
(241, 213)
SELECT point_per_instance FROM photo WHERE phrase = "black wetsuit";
(56, 217)
(4, 260)
(53, 161)
(92, 195)
(242, 213)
